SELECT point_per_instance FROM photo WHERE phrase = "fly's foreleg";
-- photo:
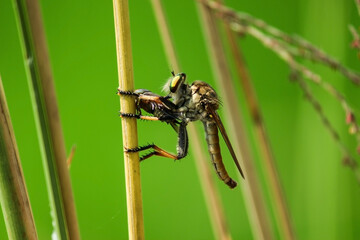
(126, 93)
(138, 116)
(131, 115)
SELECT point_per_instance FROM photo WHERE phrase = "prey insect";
(163, 110)
(197, 101)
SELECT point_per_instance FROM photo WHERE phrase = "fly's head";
(177, 82)
(177, 88)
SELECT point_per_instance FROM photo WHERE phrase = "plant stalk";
(281, 210)
(14, 198)
(42, 91)
(256, 207)
(215, 209)
(129, 125)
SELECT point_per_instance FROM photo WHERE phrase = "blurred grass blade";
(216, 212)
(14, 198)
(37, 64)
(280, 206)
(257, 211)
(215, 209)
(129, 126)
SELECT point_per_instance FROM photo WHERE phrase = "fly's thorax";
(203, 95)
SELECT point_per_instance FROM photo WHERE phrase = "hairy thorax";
(199, 97)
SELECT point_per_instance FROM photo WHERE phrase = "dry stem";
(241, 22)
(251, 189)
(281, 210)
(216, 212)
(287, 48)
(14, 198)
(47, 118)
(348, 160)
(356, 38)
(129, 126)
(357, 2)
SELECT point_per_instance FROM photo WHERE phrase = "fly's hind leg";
(182, 147)
(157, 151)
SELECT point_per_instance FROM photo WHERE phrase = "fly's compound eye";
(177, 81)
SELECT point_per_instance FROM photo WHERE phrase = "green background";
(322, 195)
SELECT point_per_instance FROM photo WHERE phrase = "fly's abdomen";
(212, 139)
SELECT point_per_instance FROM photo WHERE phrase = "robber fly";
(197, 101)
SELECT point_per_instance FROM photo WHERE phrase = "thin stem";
(300, 47)
(129, 126)
(281, 209)
(298, 68)
(348, 160)
(215, 209)
(356, 38)
(14, 198)
(357, 3)
(47, 118)
(283, 47)
(251, 188)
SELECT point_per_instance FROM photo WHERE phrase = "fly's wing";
(217, 119)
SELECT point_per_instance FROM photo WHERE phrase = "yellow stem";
(129, 126)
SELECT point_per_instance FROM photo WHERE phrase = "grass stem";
(14, 198)
(42, 91)
(129, 126)
(281, 209)
(215, 209)
(259, 219)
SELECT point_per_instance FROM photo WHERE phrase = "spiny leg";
(146, 96)
(182, 147)
(127, 93)
(157, 151)
(139, 116)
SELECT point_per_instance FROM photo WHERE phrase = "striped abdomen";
(212, 139)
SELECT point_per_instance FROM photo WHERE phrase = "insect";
(197, 101)
(163, 110)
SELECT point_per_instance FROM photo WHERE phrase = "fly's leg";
(131, 115)
(157, 151)
(138, 116)
(127, 93)
(145, 97)
(182, 147)
(183, 141)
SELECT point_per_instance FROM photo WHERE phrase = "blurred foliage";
(322, 195)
